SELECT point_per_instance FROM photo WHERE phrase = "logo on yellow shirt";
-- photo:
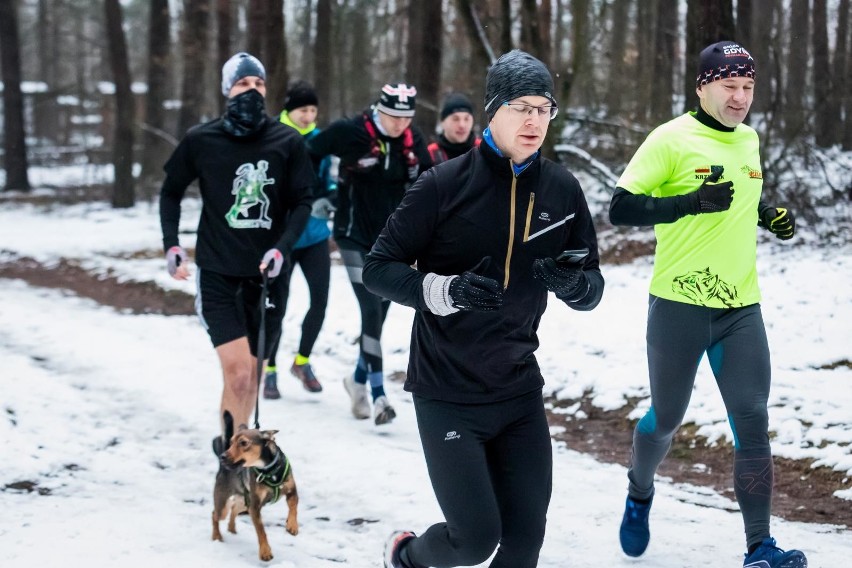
(752, 173)
(702, 172)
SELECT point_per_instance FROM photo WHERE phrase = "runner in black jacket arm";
(485, 230)
(256, 181)
(381, 154)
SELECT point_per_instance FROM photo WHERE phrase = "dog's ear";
(228, 421)
(269, 434)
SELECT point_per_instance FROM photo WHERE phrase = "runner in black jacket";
(484, 230)
(381, 154)
(256, 184)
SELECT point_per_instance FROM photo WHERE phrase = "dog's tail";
(228, 420)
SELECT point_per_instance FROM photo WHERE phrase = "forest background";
(121, 81)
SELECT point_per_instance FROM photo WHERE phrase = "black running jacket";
(473, 212)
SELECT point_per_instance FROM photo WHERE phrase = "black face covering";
(244, 114)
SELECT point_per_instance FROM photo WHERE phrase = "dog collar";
(274, 474)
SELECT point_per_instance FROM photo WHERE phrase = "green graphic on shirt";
(702, 286)
(251, 206)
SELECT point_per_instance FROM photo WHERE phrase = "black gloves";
(712, 197)
(567, 281)
(779, 221)
(470, 291)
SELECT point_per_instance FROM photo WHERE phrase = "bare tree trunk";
(545, 20)
(765, 55)
(744, 25)
(156, 147)
(123, 194)
(224, 23)
(662, 87)
(617, 54)
(194, 40)
(645, 41)
(482, 48)
(306, 65)
(275, 51)
(45, 113)
(505, 27)
(825, 116)
(425, 55)
(14, 141)
(707, 21)
(580, 62)
(846, 88)
(560, 65)
(223, 32)
(795, 116)
(256, 26)
(360, 78)
(322, 61)
(531, 37)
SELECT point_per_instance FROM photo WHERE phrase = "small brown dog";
(253, 471)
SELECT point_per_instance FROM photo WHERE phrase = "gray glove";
(322, 208)
(274, 262)
(175, 256)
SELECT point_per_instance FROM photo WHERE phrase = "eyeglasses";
(520, 109)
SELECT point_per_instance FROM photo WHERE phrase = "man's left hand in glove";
(273, 260)
(567, 281)
(779, 221)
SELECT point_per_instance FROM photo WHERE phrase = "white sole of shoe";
(360, 409)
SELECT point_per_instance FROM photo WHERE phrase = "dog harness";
(274, 474)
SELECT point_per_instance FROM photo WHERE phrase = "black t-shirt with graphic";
(256, 194)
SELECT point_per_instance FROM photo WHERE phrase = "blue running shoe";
(270, 385)
(767, 555)
(634, 534)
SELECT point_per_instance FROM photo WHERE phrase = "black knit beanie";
(300, 94)
(238, 66)
(456, 102)
(722, 60)
(516, 74)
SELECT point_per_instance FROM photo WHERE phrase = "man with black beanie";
(491, 233)
(698, 180)
(455, 134)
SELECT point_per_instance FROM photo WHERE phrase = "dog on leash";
(253, 471)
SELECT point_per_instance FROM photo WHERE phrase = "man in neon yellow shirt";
(698, 180)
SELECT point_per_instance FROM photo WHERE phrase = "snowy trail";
(114, 413)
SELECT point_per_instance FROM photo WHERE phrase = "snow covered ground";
(112, 414)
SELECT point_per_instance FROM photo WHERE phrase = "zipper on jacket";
(529, 217)
(511, 227)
